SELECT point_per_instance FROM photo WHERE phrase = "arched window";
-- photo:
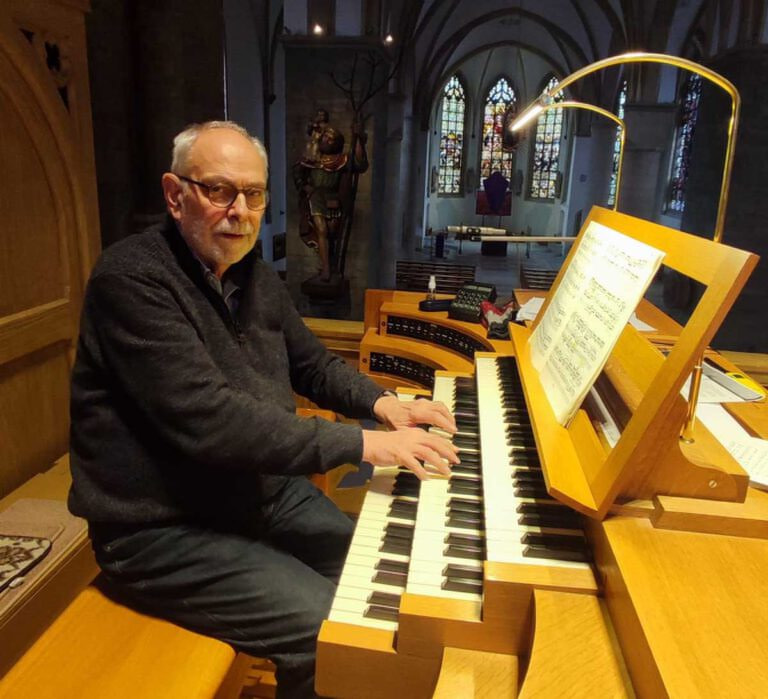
(681, 157)
(452, 111)
(492, 158)
(620, 102)
(546, 149)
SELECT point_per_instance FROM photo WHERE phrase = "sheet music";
(750, 452)
(604, 282)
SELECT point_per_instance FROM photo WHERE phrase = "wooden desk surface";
(697, 601)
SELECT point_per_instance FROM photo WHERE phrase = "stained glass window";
(681, 157)
(620, 102)
(451, 137)
(546, 149)
(492, 157)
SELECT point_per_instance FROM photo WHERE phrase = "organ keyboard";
(431, 539)
(493, 561)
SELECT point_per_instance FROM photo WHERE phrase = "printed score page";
(604, 282)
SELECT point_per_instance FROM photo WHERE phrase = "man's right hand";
(409, 447)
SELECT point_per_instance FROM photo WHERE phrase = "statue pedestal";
(336, 287)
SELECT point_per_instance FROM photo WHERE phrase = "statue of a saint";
(315, 129)
(324, 184)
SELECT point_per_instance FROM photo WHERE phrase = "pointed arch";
(453, 118)
(500, 97)
(545, 161)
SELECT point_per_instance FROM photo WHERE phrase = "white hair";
(186, 139)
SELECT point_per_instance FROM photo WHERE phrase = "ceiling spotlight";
(388, 39)
(317, 30)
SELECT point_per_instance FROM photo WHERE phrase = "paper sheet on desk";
(530, 309)
(750, 452)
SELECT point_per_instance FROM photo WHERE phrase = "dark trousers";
(264, 589)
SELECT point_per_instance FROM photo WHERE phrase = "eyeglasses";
(223, 194)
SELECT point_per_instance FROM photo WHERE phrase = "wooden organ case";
(49, 240)
(677, 541)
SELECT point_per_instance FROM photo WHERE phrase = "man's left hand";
(399, 415)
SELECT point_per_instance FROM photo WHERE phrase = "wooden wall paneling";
(49, 234)
(61, 25)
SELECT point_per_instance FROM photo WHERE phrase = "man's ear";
(172, 192)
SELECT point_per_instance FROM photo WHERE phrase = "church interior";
(427, 179)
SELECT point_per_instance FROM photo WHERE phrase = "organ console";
(570, 565)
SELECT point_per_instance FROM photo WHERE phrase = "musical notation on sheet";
(605, 280)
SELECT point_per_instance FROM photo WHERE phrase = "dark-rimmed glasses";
(223, 194)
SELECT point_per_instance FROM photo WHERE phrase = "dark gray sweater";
(180, 410)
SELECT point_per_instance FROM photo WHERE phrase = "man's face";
(331, 142)
(220, 237)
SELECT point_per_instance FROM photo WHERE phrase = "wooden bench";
(99, 649)
(87, 645)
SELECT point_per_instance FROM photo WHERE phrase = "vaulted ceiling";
(437, 36)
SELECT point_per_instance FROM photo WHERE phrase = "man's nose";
(238, 207)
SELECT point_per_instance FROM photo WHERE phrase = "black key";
(400, 531)
(548, 520)
(528, 473)
(515, 451)
(465, 433)
(384, 599)
(466, 401)
(522, 458)
(465, 488)
(556, 554)
(554, 541)
(470, 523)
(399, 546)
(388, 578)
(529, 491)
(374, 611)
(465, 539)
(392, 566)
(405, 490)
(539, 507)
(456, 504)
(462, 585)
(402, 511)
(465, 468)
(469, 552)
(457, 571)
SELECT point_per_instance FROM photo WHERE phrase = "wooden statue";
(325, 179)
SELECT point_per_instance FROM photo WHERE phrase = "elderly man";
(188, 460)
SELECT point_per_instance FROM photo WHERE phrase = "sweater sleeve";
(324, 377)
(154, 356)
